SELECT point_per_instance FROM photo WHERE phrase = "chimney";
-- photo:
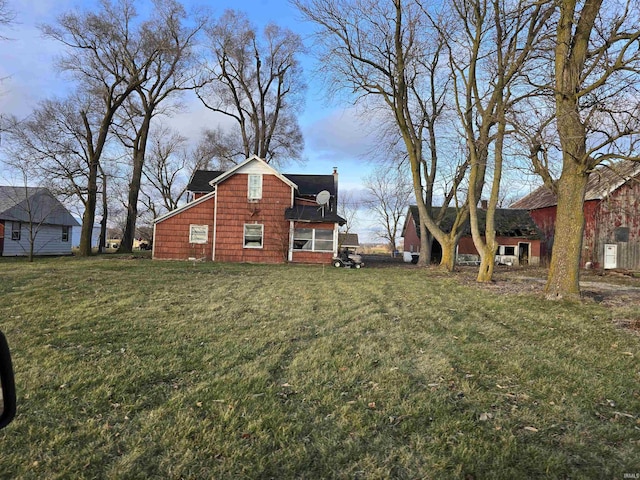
(484, 204)
(335, 188)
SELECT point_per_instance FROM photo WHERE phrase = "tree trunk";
(448, 261)
(564, 272)
(139, 151)
(89, 215)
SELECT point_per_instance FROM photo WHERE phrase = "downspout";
(215, 224)
(291, 228)
(153, 243)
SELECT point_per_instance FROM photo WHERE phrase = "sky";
(334, 134)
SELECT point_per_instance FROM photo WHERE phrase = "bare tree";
(164, 172)
(388, 193)
(167, 56)
(101, 54)
(488, 57)
(348, 208)
(388, 52)
(257, 84)
(594, 84)
(7, 16)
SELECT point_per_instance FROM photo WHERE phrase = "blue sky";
(334, 134)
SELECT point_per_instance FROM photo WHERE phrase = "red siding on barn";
(411, 240)
(1, 236)
(235, 210)
(467, 247)
(620, 210)
(171, 240)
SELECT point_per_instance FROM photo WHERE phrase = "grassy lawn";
(140, 369)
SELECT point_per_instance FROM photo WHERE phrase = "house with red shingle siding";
(253, 213)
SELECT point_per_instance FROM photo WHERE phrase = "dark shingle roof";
(508, 222)
(307, 184)
(312, 184)
(312, 214)
(200, 179)
(348, 239)
(33, 204)
(602, 181)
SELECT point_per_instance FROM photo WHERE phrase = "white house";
(33, 215)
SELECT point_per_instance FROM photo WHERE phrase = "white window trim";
(313, 240)
(244, 235)
(199, 239)
(258, 196)
(14, 231)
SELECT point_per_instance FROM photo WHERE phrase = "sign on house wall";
(198, 233)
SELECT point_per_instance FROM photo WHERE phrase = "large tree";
(488, 57)
(100, 53)
(166, 54)
(255, 82)
(595, 86)
(386, 52)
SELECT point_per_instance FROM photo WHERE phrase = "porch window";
(303, 239)
(16, 228)
(65, 233)
(255, 187)
(253, 235)
(314, 240)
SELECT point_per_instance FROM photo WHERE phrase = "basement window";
(253, 235)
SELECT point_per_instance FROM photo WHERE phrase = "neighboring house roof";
(508, 222)
(348, 239)
(602, 181)
(312, 214)
(33, 204)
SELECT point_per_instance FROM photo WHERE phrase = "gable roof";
(251, 159)
(184, 207)
(509, 222)
(604, 180)
(307, 185)
(33, 204)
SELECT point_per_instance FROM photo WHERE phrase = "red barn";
(253, 213)
(517, 236)
(612, 216)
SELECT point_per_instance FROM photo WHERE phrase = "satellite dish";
(323, 197)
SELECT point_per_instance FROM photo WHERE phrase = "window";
(312, 239)
(16, 228)
(253, 235)
(303, 239)
(255, 187)
(509, 250)
(65, 233)
(198, 233)
(622, 234)
(323, 240)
